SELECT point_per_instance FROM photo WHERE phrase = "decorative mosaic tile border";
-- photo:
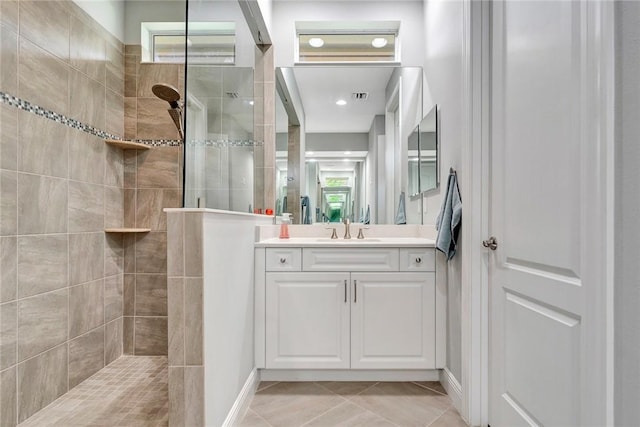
(21, 104)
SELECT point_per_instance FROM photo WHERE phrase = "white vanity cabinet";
(345, 308)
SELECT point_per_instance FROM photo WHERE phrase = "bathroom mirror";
(422, 155)
(354, 151)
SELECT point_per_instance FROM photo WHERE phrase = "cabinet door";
(393, 321)
(307, 320)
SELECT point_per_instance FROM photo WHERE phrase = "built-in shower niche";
(220, 147)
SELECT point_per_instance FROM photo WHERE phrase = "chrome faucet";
(347, 233)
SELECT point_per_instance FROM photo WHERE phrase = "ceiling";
(320, 88)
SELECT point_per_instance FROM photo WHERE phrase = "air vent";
(233, 94)
(360, 96)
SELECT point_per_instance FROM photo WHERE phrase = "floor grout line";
(440, 416)
(429, 388)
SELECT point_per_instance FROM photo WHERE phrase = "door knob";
(490, 243)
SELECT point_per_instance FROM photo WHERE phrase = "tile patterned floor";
(351, 404)
(130, 392)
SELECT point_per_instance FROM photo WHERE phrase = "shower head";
(167, 93)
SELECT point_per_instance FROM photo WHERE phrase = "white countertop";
(324, 242)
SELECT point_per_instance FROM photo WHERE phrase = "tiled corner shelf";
(127, 230)
(126, 145)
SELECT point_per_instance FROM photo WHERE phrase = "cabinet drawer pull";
(418, 260)
(355, 291)
(283, 260)
(345, 290)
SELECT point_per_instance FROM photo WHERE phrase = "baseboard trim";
(347, 375)
(453, 387)
(240, 406)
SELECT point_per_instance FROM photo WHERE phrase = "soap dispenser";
(284, 226)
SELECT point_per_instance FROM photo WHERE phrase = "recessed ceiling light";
(347, 152)
(189, 43)
(379, 42)
(316, 42)
(250, 102)
(341, 102)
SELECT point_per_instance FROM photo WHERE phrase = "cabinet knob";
(418, 260)
(283, 260)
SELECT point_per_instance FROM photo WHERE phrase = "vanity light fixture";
(341, 102)
(379, 42)
(309, 153)
(347, 153)
(316, 42)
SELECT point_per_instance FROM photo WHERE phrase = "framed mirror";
(422, 155)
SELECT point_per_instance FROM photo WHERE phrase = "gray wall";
(627, 228)
(443, 68)
(337, 141)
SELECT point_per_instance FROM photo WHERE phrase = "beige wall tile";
(114, 172)
(129, 252)
(42, 323)
(130, 118)
(86, 307)
(151, 253)
(176, 397)
(86, 257)
(151, 336)
(42, 208)
(133, 49)
(87, 100)
(129, 207)
(151, 74)
(9, 14)
(8, 60)
(86, 207)
(8, 268)
(46, 23)
(113, 207)
(130, 168)
(151, 295)
(115, 69)
(42, 264)
(115, 113)
(86, 157)
(87, 50)
(34, 393)
(193, 245)
(158, 168)
(42, 155)
(112, 340)
(8, 335)
(129, 294)
(8, 202)
(150, 204)
(113, 294)
(8, 394)
(8, 137)
(175, 244)
(175, 287)
(127, 335)
(113, 254)
(193, 318)
(194, 396)
(42, 78)
(154, 121)
(131, 64)
(86, 356)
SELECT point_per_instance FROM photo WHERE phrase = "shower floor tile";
(132, 391)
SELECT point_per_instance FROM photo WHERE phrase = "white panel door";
(546, 334)
(393, 321)
(307, 320)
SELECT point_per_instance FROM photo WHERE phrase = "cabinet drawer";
(417, 259)
(285, 259)
(356, 259)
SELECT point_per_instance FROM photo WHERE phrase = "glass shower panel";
(219, 136)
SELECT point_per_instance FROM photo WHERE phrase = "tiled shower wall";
(61, 306)
(152, 181)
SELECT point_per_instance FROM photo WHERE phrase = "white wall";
(286, 12)
(337, 141)
(627, 232)
(138, 11)
(228, 308)
(109, 13)
(443, 68)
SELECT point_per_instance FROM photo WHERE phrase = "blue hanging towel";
(306, 215)
(449, 220)
(401, 215)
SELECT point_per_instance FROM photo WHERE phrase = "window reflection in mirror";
(422, 155)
